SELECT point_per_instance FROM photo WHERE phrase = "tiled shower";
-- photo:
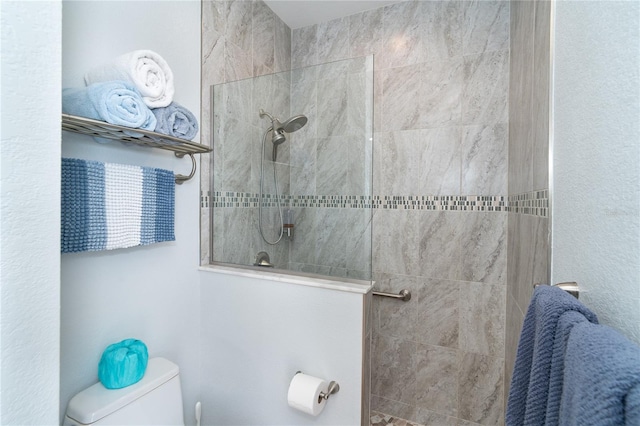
(451, 161)
(323, 170)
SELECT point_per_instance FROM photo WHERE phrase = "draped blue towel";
(601, 378)
(556, 374)
(528, 394)
(176, 120)
(116, 102)
(107, 206)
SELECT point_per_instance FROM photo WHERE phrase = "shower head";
(294, 123)
(278, 136)
(279, 129)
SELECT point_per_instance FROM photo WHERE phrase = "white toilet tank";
(154, 400)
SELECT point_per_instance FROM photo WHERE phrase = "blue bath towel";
(527, 403)
(632, 406)
(556, 374)
(176, 120)
(107, 206)
(116, 102)
(601, 377)
(123, 364)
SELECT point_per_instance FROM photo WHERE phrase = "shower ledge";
(339, 284)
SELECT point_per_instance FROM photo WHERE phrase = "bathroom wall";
(528, 235)
(258, 332)
(441, 77)
(30, 212)
(596, 218)
(152, 292)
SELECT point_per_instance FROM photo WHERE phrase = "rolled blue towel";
(116, 102)
(175, 120)
(123, 364)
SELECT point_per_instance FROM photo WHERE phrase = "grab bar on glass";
(404, 295)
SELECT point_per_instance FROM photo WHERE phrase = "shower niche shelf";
(101, 129)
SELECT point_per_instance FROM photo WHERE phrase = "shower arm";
(272, 118)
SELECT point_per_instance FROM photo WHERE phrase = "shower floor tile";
(381, 419)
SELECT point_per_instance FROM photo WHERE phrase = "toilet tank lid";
(96, 402)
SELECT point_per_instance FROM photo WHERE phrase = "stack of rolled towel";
(135, 90)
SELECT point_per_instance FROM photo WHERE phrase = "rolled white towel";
(146, 69)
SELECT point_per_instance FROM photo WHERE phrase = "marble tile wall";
(331, 159)
(327, 160)
(441, 111)
(528, 225)
(240, 40)
(239, 130)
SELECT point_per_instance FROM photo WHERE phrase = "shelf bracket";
(180, 179)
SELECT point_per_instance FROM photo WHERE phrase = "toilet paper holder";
(334, 387)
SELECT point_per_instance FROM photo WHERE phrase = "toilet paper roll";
(304, 392)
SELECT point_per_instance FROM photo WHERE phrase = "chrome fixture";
(279, 129)
(288, 223)
(278, 137)
(262, 259)
(333, 388)
(570, 287)
(404, 295)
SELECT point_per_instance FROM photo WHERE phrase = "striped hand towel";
(107, 206)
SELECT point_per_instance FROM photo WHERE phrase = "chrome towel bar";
(570, 287)
(404, 295)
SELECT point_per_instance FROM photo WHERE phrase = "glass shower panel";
(323, 170)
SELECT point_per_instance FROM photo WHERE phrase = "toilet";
(154, 400)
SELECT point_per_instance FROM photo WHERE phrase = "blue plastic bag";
(123, 364)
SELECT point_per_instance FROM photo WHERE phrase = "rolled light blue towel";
(116, 102)
(123, 364)
(177, 121)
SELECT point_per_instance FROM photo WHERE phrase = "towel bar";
(404, 295)
(570, 287)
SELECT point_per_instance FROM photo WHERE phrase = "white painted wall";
(596, 165)
(150, 293)
(257, 333)
(30, 212)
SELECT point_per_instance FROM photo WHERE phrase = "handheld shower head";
(279, 129)
(278, 136)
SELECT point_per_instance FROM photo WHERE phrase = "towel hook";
(180, 179)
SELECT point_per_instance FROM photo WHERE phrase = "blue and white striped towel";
(107, 206)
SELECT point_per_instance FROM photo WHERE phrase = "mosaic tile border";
(535, 203)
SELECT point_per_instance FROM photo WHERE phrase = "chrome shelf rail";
(101, 129)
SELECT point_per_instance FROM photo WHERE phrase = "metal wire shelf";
(101, 129)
